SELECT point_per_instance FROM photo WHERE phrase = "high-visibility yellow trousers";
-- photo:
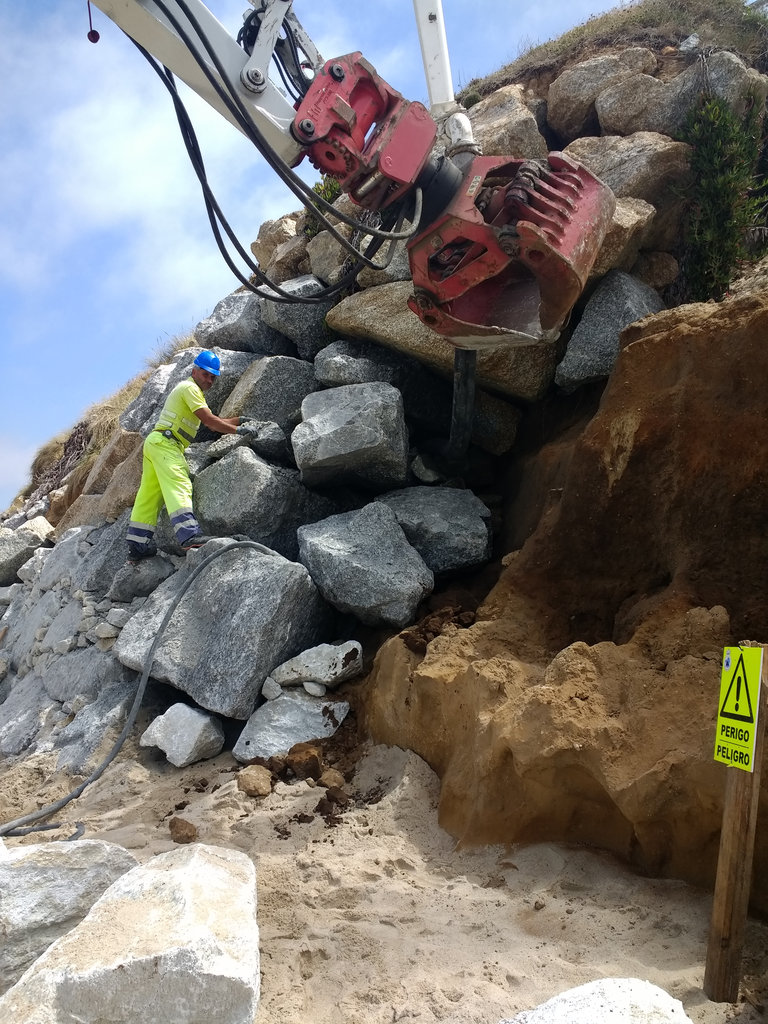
(164, 481)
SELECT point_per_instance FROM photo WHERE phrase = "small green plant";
(328, 189)
(724, 206)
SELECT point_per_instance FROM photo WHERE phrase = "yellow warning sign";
(738, 706)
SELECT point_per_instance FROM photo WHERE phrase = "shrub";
(723, 202)
(328, 189)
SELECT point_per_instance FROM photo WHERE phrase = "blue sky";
(105, 249)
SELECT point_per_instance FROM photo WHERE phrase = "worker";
(165, 475)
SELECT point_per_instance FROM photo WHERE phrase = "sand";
(372, 916)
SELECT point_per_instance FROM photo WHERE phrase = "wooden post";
(734, 868)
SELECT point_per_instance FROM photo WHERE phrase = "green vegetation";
(721, 24)
(724, 201)
(328, 189)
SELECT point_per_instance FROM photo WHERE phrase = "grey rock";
(8, 593)
(355, 434)
(105, 631)
(185, 735)
(618, 301)
(64, 626)
(84, 672)
(39, 507)
(646, 104)
(201, 964)
(198, 457)
(246, 613)
(362, 563)
(106, 556)
(237, 323)
(449, 527)
(62, 560)
(272, 234)
(18, 546)
(269, 441)
(118, 616)
(314, 689)
(139, 580)
(625, 235)
(48, 889)
(427, 398)
(502, 124)
(329, 664)
(32, 569)
(24, 617)
(354, 362)
(271, 690)
(291, 718)
(645, 165)
(303, 324)
(22, 715)
(139, 412)
(272, 389)
(243, 494)
(327, 257)
(94, 729)
(572, 95)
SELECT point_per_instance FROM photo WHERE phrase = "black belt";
(169, 434)
(172, 437)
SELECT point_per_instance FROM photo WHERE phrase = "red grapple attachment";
(359, 129)
(509, 256)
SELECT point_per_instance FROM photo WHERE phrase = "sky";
(105, 249)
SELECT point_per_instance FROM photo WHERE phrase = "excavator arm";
(500, 248)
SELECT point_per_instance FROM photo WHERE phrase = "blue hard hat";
(209, 361)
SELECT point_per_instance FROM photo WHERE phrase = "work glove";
(248, 428)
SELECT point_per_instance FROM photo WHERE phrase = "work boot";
(196, 542)
(138, 552)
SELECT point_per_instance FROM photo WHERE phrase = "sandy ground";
(372, 915)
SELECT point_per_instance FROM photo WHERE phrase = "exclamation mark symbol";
(738, 691)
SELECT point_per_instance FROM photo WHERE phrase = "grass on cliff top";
(720, 24)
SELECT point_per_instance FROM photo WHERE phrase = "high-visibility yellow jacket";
(178, 413)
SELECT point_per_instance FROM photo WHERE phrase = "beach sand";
(369, 914)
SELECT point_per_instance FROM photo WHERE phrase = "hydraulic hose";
(15, 828)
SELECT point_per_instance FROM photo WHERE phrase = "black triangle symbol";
(739, 678)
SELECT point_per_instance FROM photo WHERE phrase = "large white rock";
(625, 1000)
(174, 940)
(46, 890)
(329, 664)
(185, 735)
(503, 125)
(293, 717)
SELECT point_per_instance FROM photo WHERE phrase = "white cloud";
(108, 171)
(14, 468)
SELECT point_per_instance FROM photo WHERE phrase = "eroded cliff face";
(581, 704)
